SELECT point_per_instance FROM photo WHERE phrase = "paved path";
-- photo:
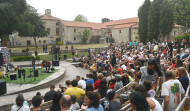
(71, 73)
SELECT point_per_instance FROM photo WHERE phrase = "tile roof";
(124, 25)
(123, 21)
(119, 23)
(175, 25)
(83, 24)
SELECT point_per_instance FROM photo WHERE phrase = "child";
(75, 105)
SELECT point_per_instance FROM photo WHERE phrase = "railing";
(185, 103)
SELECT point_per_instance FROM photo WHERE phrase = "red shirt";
(120, 70)
(96, 84)
(112, 85)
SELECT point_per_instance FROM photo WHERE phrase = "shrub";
(180, 38)
(59, 43)
(25, 58)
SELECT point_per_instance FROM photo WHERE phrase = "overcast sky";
(94, 10)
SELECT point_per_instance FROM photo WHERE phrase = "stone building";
(68, 31)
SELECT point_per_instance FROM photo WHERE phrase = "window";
(57, 23)
(63, 30)
(57, 31)
(97, 31)
(39, 41)
(74, 30)
(134, 33)
(44, 41)
(48, 30)
(174, 33)
(74, 38)
(119, 31)
(28, 43)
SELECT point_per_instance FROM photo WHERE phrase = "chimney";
(48, 12)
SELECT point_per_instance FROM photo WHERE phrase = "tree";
(10, 12)
(143, 14)
(84, 36)
(182, 12)
(154, 20)
(166, 18)
(81, 18)
(31, 25)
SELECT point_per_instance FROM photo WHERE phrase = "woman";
(153, 103)
(183, 78)
(91, 102)
(19, 104)
(103, 88)
(138, 101)
(56, 99)
(96, 84)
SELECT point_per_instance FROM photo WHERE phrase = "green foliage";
(154, 20)
(143, 14)
(180, 38)
(10, 12)
(25, 58)
(84, 36)
(31, 25)
(166, 18)
(182, 12)
(59, 43)
(42, 75)
(81, 18)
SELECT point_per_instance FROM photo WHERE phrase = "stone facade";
(68, 31)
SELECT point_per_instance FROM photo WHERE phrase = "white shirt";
(23, 108)
(157, 107)
(124, 67)
(173, 89)
(82, 83)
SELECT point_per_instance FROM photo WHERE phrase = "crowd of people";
(144, 66)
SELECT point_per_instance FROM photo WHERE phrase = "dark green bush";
(24, 58)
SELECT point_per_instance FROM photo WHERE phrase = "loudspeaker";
(3, 87)
(55, 63)
(13, 77)
(1, 59)
(36, 73)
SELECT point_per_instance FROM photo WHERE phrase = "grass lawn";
(40, 49)
(41, 76)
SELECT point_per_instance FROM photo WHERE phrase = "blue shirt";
(100, 108)
(90, 81)
(184, 82)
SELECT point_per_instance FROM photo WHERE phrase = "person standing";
(172, 91)
(33, 62)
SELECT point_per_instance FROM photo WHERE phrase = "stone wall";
(120, 35)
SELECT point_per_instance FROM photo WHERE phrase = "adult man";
(65, 103)
(36, 101)
(33, 62)
(74, 90)
(49, 95)
(81, 83)
(172, 91)
(150, 72)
